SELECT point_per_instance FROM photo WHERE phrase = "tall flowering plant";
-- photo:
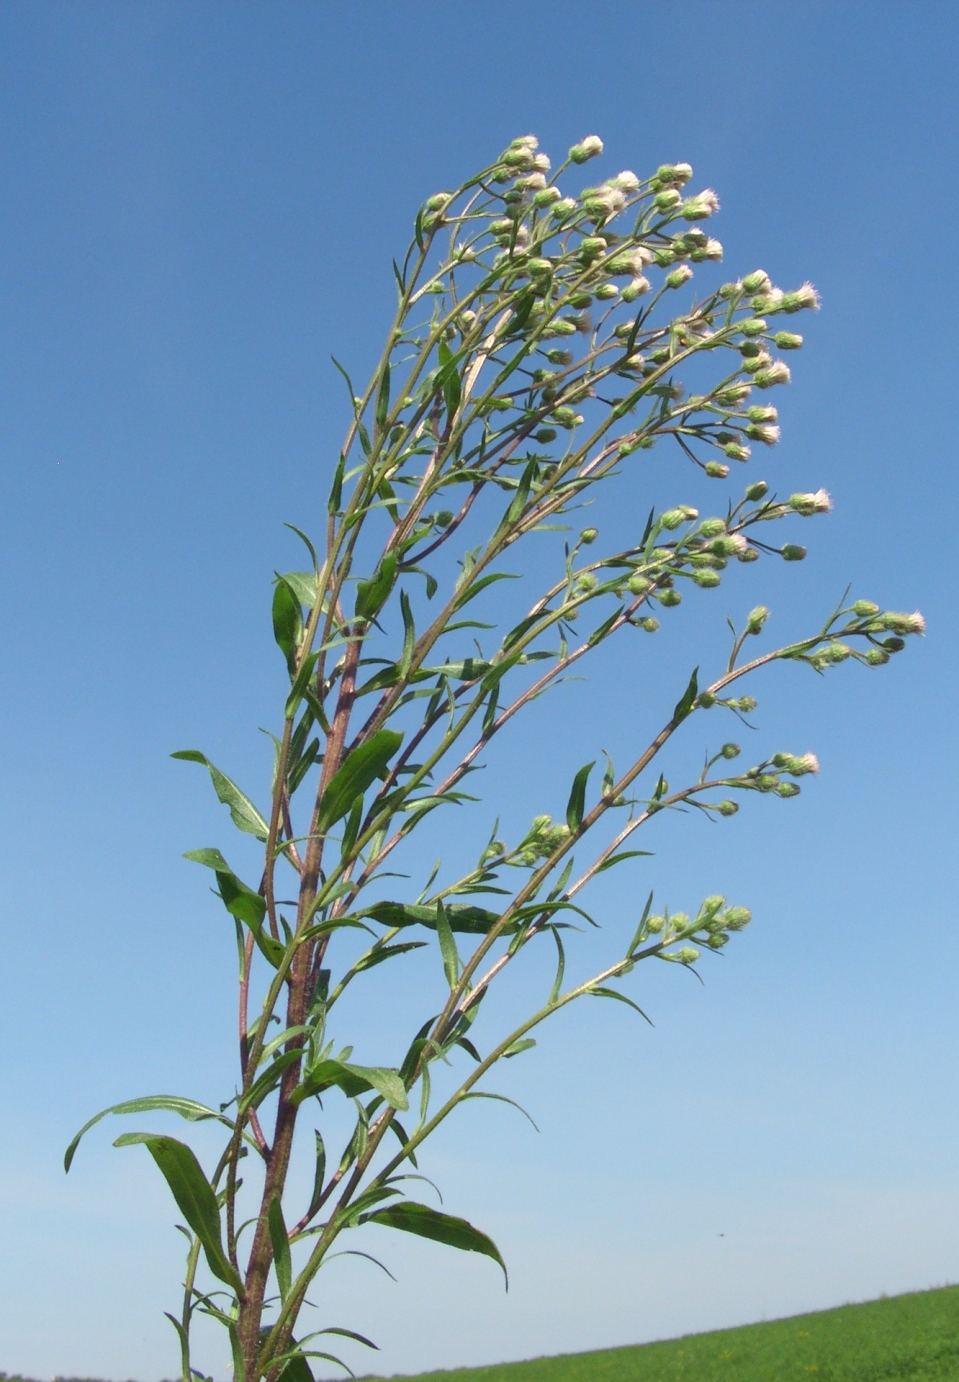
(535, 354)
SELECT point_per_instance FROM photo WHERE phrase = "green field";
(914, 1337)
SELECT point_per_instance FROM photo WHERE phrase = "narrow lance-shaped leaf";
(451, 959)
(287, 621)
(358, 770)
(411, 1217)
(194, 1196)
(245, 815)
(687, 701)
(576, 806)
(150, 1103)
(281, 1248)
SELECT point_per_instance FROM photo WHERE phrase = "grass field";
(914, 1337)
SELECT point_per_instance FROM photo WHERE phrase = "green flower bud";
(589, 535)
(700, 207)
(678, 173)
(717, 941)
(753, 364)
(893, 645)
(546, 196)
(716, 470)
(877, 657)
(679, 276)
(586, 149)
(606, 291)
(538, 267)
(706, 700)
(655, 924)
(791, 552)
(672, 518)
(438, 201)
(757, 491)
(712, 527)
(756, 618)
(567, 417)
(667, 200)
(706, 578)
(563, 208)
(745, 704)
(756, 282)
(735, 452)
(561, 328)
(777, 373)
(865, 609)
(769, 436)
(637, 584)
(545, 435)
(903, 623)
(591, 247)
(762, 414)
(636, 288)
(729, 546)
(788, 789)
(670, 598)
(443, 519)
(787, 340)
(804, 297)
(587, 581)
(752, 326)
(559, 357)
(737, 918)
(688, 955)
(503, 226)
(808, 504)
(728, 808)
(733, 395)
(649, 624)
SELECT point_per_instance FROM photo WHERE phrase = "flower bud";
(655, 924)
(700, 207)
(672, 518)
(688, 955)
(667, 200)
(649, 624)
(804, 297)
(438, 202)
(712, 527)
(716, 470)
(564, 207)
(767, 435)
(606, 291)
(865, 609)
(533, 182)
(729, 546)
(717, 941)
(876, 657)
(730, 751)
(587, 581)
(777, 373)
(737, 918)
(732, 395)
(787, 340)
(735, 452)
(670, 598)
(636, 288)
(752, 326)
(728, 808)
(589, 535)
(559, 357)
(519, 156)
(545, 434)
(792, 552)
(903, 623)
(546, 196)
(626, 180)
(587, 148)
(788, 789)
(756, 282)
(756, 619)
(706, 578)
(757, 491)
(637, 584)
(674, 173)
(679, 276)
(567, 417)
(808, 504)
(746, 704)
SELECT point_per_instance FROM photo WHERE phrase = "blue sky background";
(199, 204)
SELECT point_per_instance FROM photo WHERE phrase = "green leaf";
(576, 806)
(336, 492)
(357, 771)
(501, 1098)
(383, 399)
(601, 992)
(449, 380)
(371, 595)
(451, 959)
(301, 681)
(319, 1175)
(353, 1080)
(240, 901)
(297, 1369)
(420, 1219)
(626, 854)
(244, 813)
(685, 705)
(518, 1047)
(281, 1248)
(303, 585)
(472, 591)
(268, 1081)
(461, 917)
(150, 1103)
(194, 1195)
(287, 621)
(409, 635)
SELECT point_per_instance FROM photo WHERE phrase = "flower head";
(807, 504)
(586, 149)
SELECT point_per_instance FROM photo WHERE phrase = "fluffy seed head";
(700, 207)
(776, 373)
(807, 504)
(586, 149)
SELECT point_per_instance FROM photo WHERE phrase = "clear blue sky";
(199, 205)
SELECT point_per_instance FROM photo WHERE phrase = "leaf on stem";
(357, 771)
(576, 806)
(353, 1080)
(281, 1248)
(150, 1103)
(245, 815)
(194, 1195)
(411, 1217)
(685, 705)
